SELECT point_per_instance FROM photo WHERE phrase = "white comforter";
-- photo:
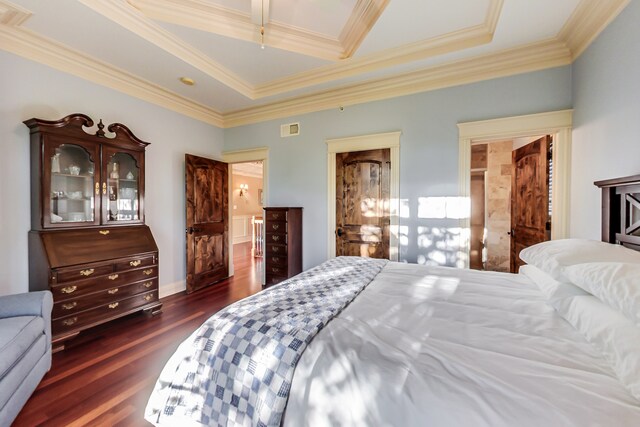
(445, 347)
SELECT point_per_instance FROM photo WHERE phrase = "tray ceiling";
(318, 54)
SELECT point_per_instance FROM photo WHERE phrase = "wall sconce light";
(244, 188)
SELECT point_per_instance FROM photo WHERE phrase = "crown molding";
(133, 20)
(27, 44)
(12, 14)
(521, 59)
(587, 21)
(440, 45)
(361, 21)
(206, 16)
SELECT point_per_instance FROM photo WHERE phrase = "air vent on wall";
(291, 129)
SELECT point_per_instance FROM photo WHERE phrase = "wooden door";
(362, 203)
(530, 219)
(207, 221)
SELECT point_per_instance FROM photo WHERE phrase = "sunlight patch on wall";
(443, 207)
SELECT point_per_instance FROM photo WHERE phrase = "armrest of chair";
(29, 304)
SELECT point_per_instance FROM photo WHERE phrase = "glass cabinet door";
(73, 187)
(122, 175)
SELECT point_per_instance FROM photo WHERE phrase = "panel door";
(530, 219)
(362, 203)
(207, 221)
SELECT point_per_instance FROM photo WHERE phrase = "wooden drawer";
(273, 280)
(70, 290)
(137, 262)
(280, 239)
(276, 249)
(65, 308)
(276, 227)
(276, 215)
(82, 272)
(276, 270)
(111, 310)
(277, 260)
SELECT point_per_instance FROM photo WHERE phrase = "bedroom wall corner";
(606, 132)
(29, 89)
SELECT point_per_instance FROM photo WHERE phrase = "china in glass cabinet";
(88, 244)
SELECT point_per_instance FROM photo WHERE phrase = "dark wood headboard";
(621, 211)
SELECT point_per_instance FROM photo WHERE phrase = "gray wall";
(606, 135)
(27, 90)
(428, 153)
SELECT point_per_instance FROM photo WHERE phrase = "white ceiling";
(214, 43)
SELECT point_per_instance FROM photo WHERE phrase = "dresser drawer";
(273, 280)
(69, 290)
(279, 238)
(135, 263)
(270, 248)
(280, 260)
(83, 272)
(276, 215)
(276, 270)
(70, 306)
(276, 227)
(115, 308)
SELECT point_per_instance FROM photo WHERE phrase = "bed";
(409, 345)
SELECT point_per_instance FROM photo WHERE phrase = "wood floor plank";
(106, 376)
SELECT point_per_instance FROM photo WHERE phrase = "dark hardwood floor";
(106, 381)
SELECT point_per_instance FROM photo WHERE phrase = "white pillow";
(617, 338)
(547, 284)
(617, 284)
(552, 256)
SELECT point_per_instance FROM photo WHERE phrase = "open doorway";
(247, 201)
(510, 193)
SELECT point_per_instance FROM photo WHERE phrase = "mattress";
(448, 347)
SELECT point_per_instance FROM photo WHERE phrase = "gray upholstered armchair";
(25, 349)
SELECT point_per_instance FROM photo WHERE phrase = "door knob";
(339, 231)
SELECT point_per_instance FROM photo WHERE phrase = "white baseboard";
(172, 288)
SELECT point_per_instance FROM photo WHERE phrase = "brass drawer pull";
(275, 238)
(87, 272)
(135, 263)
(114, 305)
(275, 270)
(69, 306)
(275, 215)
(148, 272)
(148, 285)
(68, 289)
(148, 297)
(97, 188)
(104, 232)
(104, 189)
(113, 277)
(275, 248)
(275, 259)
(113, 291)
(69, 322)
(275, 226)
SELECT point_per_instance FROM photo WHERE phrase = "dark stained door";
(530, 220)
(207, 222)
(362, 203)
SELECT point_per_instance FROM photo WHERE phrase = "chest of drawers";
(95, 275)
(283, 244)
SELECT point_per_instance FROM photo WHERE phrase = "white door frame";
(245, 156)
(556, 123)
(389, 140)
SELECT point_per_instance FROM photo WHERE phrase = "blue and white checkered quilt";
(236, 369)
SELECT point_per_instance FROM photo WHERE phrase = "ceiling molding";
(133, 20)
(12, 14)
(30, 45)
(521, 59)
(361, 21)
(231, 23)
(587, 22)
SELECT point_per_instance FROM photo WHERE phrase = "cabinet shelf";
(68, 175)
